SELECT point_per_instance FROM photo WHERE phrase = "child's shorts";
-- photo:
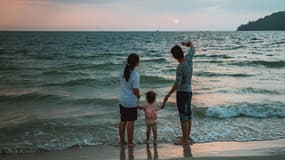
(151, 123)
(183, 101)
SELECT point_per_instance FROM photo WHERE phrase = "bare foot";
(123, 142)
(131, 145)
(190, 139)
(181, 142)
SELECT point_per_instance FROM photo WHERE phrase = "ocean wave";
(254, 39)
(55, 72)
(31, 97)
(232, 48)
(244, 109)
(53, 135)
(251, 90)
(97, 101)
(269, 64)
(107, 65)
(145, 79)
(94, 56)
(223, 56)
(88, 82)
(213, 74)
(260, 90)
(277, 43)
(152, 51)
(21, 51)
(58, 99)
(156, 60)
(82, 56)
(61, 73)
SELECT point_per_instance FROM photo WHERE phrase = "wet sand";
(273, 149)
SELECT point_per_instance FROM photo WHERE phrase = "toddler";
(150, 110)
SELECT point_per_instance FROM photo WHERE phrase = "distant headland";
(273, 22)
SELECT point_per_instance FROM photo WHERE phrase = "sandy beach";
(274, 149)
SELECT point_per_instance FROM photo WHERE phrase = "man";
(183, 86)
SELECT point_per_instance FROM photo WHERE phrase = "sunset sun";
(176, 21)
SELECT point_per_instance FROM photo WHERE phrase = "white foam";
(247, 109)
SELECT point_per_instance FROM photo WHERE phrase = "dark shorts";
(128, 114)
(183, 101)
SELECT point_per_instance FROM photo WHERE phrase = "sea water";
(60, 89)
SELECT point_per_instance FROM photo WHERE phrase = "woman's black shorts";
(128, 114)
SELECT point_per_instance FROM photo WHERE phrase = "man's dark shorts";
(183, 101)
(128, 114)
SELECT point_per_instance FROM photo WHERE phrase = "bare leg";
(185, 132)
(122, 129)
(189, 130)
(147, 133)
(130, 130)
(154, 131)
(189, 134)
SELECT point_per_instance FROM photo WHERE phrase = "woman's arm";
(136, 91)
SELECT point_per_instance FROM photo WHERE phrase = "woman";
(129, 97)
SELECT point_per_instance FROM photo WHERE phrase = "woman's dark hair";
(132, 61)
(177, 52)
(150, 96)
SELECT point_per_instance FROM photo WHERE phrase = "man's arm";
(191, 51)
(173, 89)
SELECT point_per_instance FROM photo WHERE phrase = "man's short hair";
(177, 52)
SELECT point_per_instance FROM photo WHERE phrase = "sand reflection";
(130, 153)
(151, 156)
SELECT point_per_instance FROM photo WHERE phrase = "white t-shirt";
(127, 97)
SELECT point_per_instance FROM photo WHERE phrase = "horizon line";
(107, 30)
(135, 30)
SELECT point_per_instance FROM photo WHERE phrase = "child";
(150, 110)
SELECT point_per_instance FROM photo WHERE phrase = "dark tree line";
(273, 22)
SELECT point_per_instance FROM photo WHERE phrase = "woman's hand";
(136, 91)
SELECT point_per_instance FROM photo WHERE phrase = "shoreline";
(271, 149)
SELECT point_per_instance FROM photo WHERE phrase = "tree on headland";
(273, 22)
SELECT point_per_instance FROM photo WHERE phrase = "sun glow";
(176, 21)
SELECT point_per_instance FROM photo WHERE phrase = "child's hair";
(132, 61)
(150, 96)
(177, 52)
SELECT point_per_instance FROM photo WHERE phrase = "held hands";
(163, 105)
(165, 100)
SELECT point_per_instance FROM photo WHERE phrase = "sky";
(133, 15)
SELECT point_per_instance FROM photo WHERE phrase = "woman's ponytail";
(132, 62)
